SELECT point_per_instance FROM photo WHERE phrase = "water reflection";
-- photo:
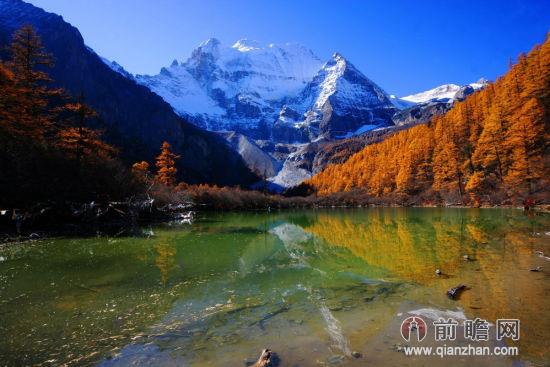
(314, 286)
(412, 245)
(165, 259)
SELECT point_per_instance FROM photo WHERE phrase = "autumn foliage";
(49, 150)
(492, 147)
(166, 165)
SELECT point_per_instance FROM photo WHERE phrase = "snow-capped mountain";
(339, 100)
(278, 92)
(276, 105)
(234, 88)
(423, 106)
(443, 93)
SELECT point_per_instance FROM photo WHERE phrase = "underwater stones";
(336, 360)
(454, 292)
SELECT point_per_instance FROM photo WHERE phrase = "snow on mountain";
(182, 91)
(291, 173)
(423, 106)
(234, 88)
(443, 93)
(115, 66)
(400, 103)
(283, 94)
(278, 92)
(341, 99)
(481, 83)
(341, 79)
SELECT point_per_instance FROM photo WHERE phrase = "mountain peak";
(481, 83)
(210, 46)
(337, 63)
(211, 42)
(246, 44)
(442, 92)
(337, 56)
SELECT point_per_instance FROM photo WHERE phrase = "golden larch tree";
(166, 165)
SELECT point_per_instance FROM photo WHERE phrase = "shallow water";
(314, 286)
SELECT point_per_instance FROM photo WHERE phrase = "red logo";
(413, 324)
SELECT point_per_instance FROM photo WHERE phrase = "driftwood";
(454, 292)
(265, 359)
(92, 216)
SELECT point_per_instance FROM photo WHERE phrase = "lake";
(318, 287)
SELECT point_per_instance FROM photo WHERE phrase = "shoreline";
(115, 228)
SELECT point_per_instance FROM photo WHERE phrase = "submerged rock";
(453, 293)
(265, 359)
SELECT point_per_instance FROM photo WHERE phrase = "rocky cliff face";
(134, 118)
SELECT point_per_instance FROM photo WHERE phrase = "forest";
(50, 148)
(47, 149)
(492, 148)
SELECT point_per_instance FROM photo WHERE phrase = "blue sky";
(404, 46)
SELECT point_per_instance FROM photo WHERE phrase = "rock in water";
(453, 293)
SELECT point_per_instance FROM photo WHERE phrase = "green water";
(314, 286)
